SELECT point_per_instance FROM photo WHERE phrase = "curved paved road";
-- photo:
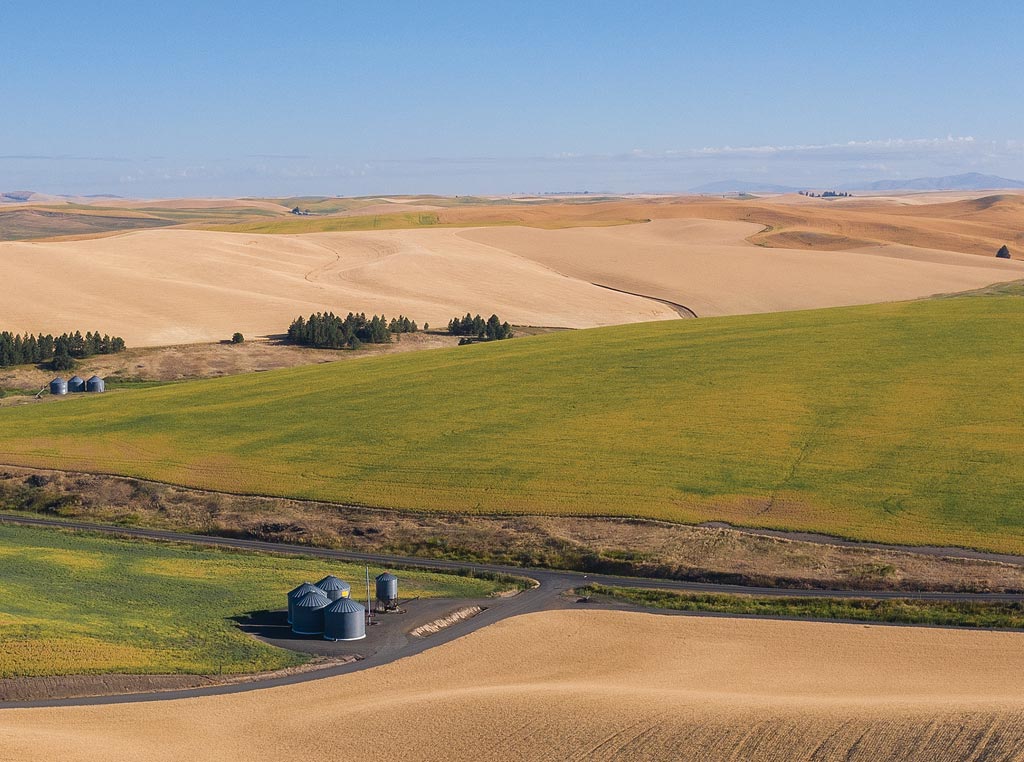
(547, 595)
(681, 309)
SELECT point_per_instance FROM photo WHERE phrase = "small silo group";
(326, 608)
(77, 384)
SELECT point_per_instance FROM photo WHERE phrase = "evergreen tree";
(491, 329)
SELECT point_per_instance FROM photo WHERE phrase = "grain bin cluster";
(326, 608)
(77, 384)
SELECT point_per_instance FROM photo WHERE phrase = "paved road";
(549, 594)
(681, 309)
(546, 577)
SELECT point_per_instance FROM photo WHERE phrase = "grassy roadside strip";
(994, 614)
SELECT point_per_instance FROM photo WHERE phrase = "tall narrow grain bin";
(308, 613)
(387, 590)
(344, 620)
(76, 384)
(95, 384)
(294, 595)
(334, 587)
(58, 386)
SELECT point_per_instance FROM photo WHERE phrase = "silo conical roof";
(302, 589)
(344, 606)
(330, 582)
(314, 599)
(387, 577)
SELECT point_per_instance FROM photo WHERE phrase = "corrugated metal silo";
(95, 384)
(58, 386)
(308, 613)
(76, 384)
(294, 595)
(344, 620)
(334, 587)
(387, 589)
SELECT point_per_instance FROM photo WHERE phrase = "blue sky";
(338, 97)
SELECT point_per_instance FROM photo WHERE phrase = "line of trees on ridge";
(60, 351)
(826, 194)
(325, 330)
(474, 326)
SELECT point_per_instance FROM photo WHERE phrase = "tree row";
(16, 349)
(475, 326)
(325, 330)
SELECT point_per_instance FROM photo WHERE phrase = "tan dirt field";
(175, 286)
(596, 685)
(172, 286)
(193, 203)
(711, 267)
(388, 207)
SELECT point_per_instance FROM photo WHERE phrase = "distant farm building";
(61, 387)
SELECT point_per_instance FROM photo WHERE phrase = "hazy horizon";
(196, 99)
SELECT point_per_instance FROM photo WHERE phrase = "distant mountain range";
(23, 197)
(969, 181)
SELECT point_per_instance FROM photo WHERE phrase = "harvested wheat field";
(711, 267)
(172, 286)
(178, 286)
(597, 685)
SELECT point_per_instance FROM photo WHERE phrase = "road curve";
(548, 594)
(542, 576)
(681, 309)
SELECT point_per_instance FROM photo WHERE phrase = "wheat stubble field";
(533, 264)
(574, 685)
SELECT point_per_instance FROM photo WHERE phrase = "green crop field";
(898, 423)
(293, 225)
(75, 603)
(400, 221)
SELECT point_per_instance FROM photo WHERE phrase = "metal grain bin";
(95, 384)
(308, 613)
(334, 587)
(58, 386)
(387, 589)
(344, 620)
(294, 595)
(76, 384)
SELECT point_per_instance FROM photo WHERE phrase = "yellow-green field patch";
(153, 608)
(896, 423)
